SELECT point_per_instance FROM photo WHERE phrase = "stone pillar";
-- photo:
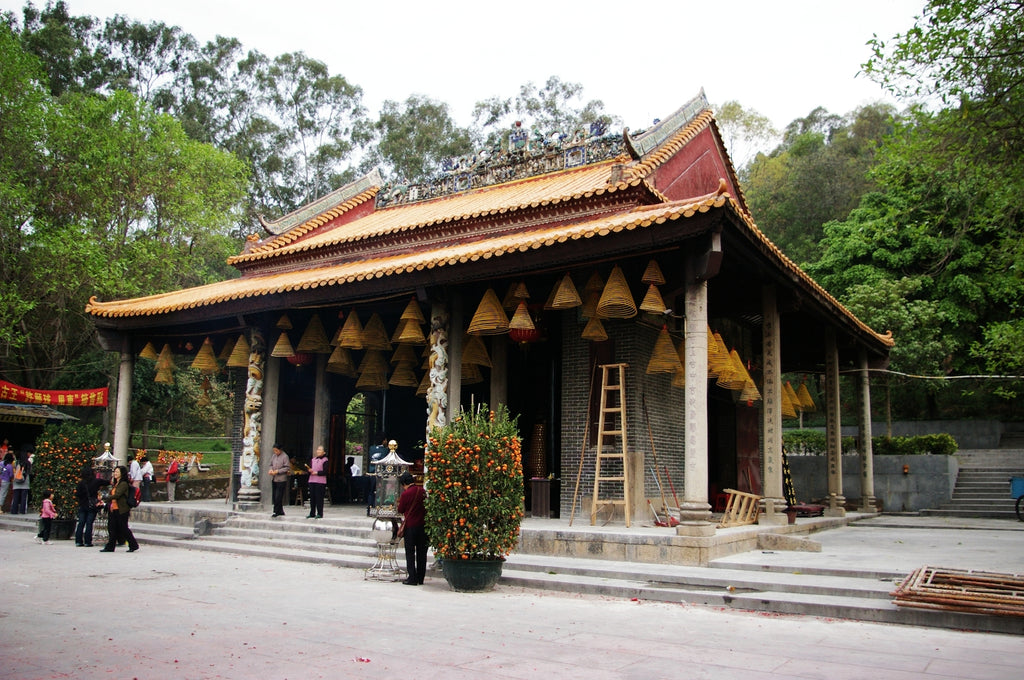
(771, 411)
(123, 409)
(833, 428)
(695, 506)
(499, 370)
(456, 329)
(252, 424)
(271, 399)
(867, 461)
(321, 405)
(437, 394)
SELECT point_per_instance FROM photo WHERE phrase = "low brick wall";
(192, 487)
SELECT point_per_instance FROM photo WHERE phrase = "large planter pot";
(63, 529)
(472, 576)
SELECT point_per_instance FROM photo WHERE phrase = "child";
(48, 512)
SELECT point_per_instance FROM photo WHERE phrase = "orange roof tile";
(395, 265)
(535, 191)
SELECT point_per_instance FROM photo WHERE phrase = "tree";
(414, 137)
(555, 107)
(743, 130)
(818, 173)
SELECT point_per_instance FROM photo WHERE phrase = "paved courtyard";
(163, 612)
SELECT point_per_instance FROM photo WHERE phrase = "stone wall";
(928, 483)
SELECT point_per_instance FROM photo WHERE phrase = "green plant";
(475, 485)
(61, 453)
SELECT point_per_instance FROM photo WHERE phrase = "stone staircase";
(982, 485)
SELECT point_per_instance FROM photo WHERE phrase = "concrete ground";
(168, 612)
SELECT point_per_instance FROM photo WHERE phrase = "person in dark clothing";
(414, 530)
(119, 512)
(87, 495)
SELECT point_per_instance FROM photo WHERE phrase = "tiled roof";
(536, 191)
(396, 265)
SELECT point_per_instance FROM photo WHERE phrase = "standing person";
(22, 475)
(86, 494)
(6, 478)
(279, 468)
(117, 525)
(172, 479)
(317, 484)
(135, 471)
(147, 478)
(46, 516)
(414, 530)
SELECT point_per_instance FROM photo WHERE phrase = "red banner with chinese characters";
(24, 395)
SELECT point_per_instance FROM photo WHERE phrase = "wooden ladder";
(611, 423)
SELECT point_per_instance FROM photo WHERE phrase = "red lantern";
(300, 359)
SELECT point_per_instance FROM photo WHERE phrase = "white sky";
(644, 60)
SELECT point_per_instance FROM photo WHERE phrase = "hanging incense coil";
(284, 323)
(737, 377)
(206, 360)
(750, 393)
(474, 351)
(404, 355)
(225, 353)
(165, 360)
(239, 353)
(521, 319)
(664, 358)
(372, 381)
(314, 339)
(791, 394)
(720, 362)
(404, 376)
(471, 374)
(679, 378)
(594, 331)
(409, 333)
(413, 312)
(149, 352)
(652, 302)
(652, 274)
(806, 402)
(489, 318)
(341, 362)
(283, 347)
(373, 362)
(375, 336)
(517, 292)
(594, 283)
(564, 295)
(165, 376)
(589, 308)
(713, 363)
(616, 301)
(424, 387)
(788, 410)
(351, 334)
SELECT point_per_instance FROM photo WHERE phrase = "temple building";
(519, 276)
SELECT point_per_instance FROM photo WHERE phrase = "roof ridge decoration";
(657, 135)
(371, 180)
(525, 154)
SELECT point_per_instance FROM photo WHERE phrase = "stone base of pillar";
(249, 498)
(836, 506)
(868, 504)
(772, 513)
(695, 528)
(694, 511)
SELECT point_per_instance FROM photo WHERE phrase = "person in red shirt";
(414, 531)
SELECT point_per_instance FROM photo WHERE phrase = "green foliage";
(60, 454)
(813, 442)
(743, 129)
(816, 175)
(474, 474)
(414, 137)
